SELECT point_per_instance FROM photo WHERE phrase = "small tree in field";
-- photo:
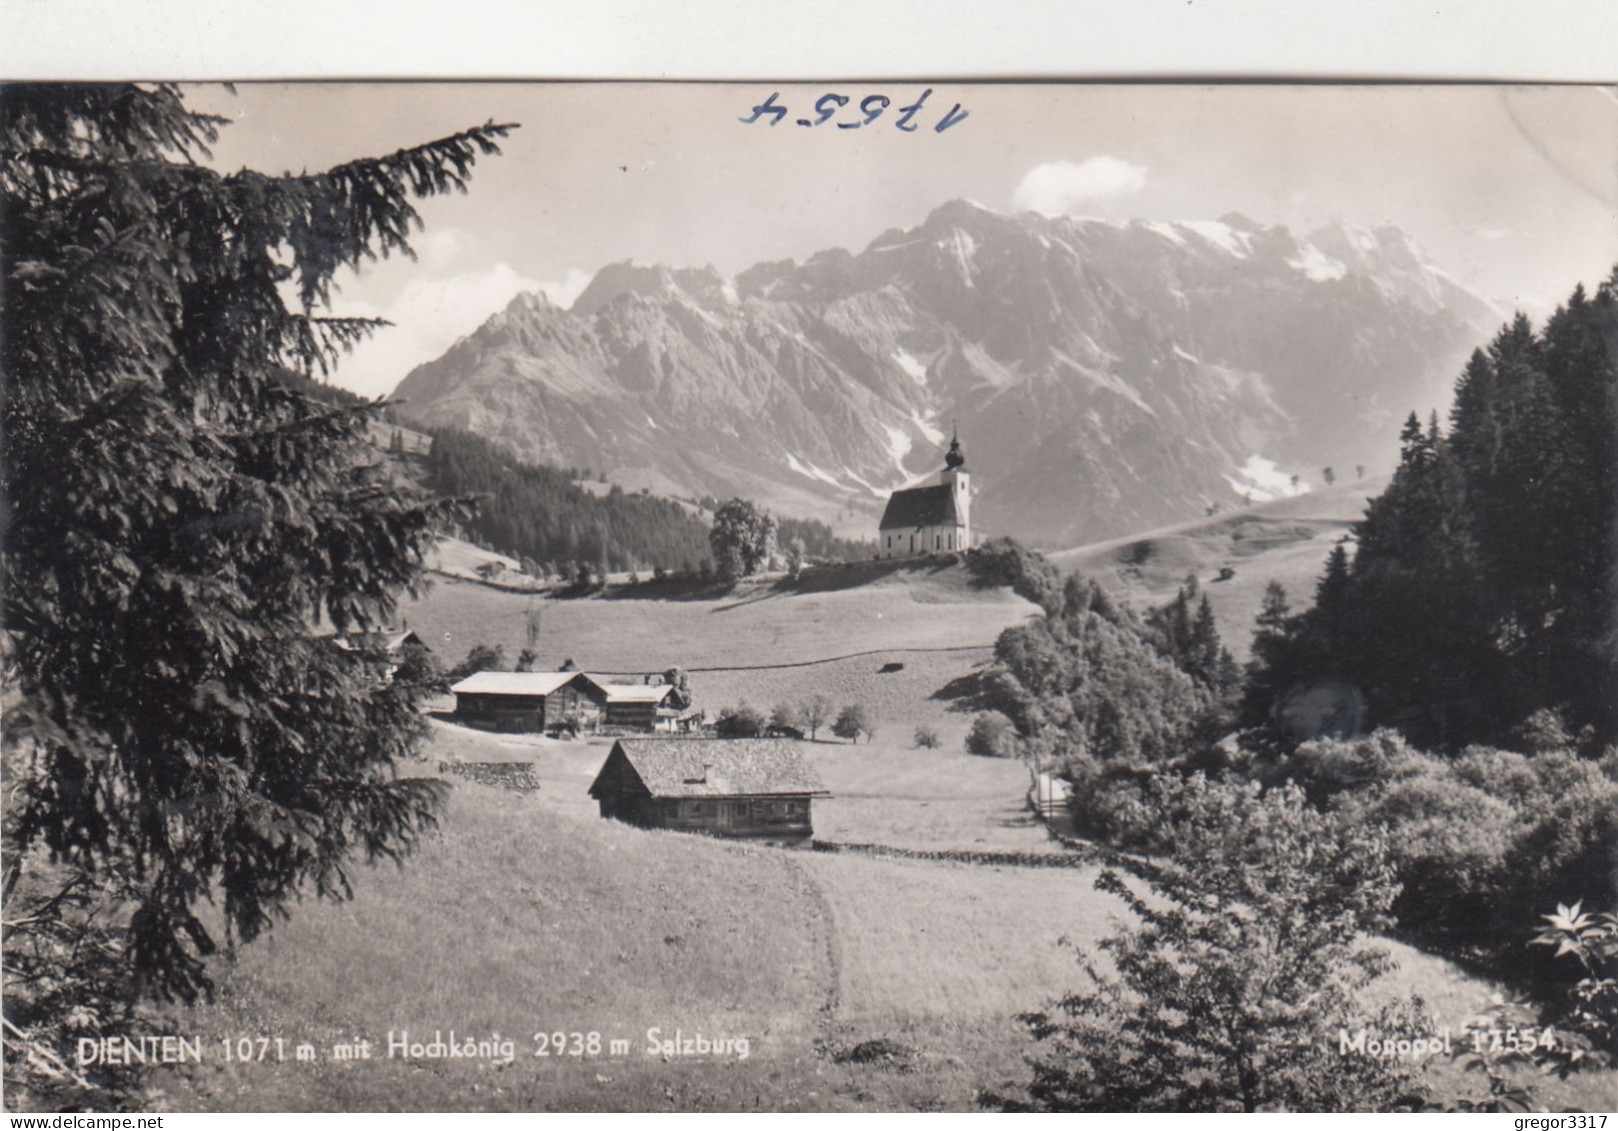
(926, 738)
(741, 721)
(742, 539)
(1237, 974)
(991, 736)
(816, 713)
(784, 716)
(480, 658)
(796, 556)
(852, 721)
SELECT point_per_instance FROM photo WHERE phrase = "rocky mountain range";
(1105, 377)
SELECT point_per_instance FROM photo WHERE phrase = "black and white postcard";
(856, 596)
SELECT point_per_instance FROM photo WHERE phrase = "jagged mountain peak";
(1107, 376)
(704, 285)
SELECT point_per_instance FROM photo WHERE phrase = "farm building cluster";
(663, 774)
(575, 702)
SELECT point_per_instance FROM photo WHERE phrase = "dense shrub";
(1475, 838)
(740, 722)
(1243, 957)
(992, 736)
(853, 721)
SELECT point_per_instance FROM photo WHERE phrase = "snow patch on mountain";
(928, 428)
(961, 248)
(1102, 379)
(808, 469)
(1263, 480)
(1167, 232)
(899, 445)
(1221, 235)
(1178, 352)
(1316, 264)
(878, 492)
(916, 370)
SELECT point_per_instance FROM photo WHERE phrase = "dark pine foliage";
(538, 512)
(178, 520)
(1485, 586)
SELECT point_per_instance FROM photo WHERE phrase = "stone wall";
(520, 777)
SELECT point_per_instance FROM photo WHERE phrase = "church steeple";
(954, 459)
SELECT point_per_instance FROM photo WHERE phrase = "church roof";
(921, 506)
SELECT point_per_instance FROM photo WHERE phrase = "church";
(930, 520)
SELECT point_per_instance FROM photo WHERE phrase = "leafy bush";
(1006, 562)
(852, 721)
(740, 722)
(1244, 959)
(1591, 1009)
(926, 738)
(992, 736)
(815, 714)
(480, 658)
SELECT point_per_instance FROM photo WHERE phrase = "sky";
(1512, 190)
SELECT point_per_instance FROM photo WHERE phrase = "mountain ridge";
(1107, 376)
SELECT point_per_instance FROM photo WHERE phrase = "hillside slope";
(1286, 540)
(524, 916)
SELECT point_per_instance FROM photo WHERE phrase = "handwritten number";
(956, 114)
(908, 112)
(768, 106)
(872, 108)
(827, 105)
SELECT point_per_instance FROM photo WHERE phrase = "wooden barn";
(528, 702)
(758, 789)
(642, 705)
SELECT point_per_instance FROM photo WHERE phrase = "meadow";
(860, 982)
(1286, 540)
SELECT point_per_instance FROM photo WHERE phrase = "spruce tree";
(180, 519)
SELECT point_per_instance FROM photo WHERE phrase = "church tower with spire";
(959, 482)
(930, 520)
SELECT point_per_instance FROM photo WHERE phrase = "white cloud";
(566, 292)
(1058, 187)
(428, 315)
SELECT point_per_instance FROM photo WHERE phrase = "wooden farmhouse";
(750, 788)
(536, 702)
(641, 706)
(528, 702)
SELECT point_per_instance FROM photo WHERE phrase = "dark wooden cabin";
(758, 789)
(528, 702)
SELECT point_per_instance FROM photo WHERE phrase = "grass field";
(757, 624)
(528, 913)
(1286, 540)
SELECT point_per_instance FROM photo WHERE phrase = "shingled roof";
(715, 767)
(921, 506)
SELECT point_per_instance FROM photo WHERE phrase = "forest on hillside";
(1465, 636)
(539, 513)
